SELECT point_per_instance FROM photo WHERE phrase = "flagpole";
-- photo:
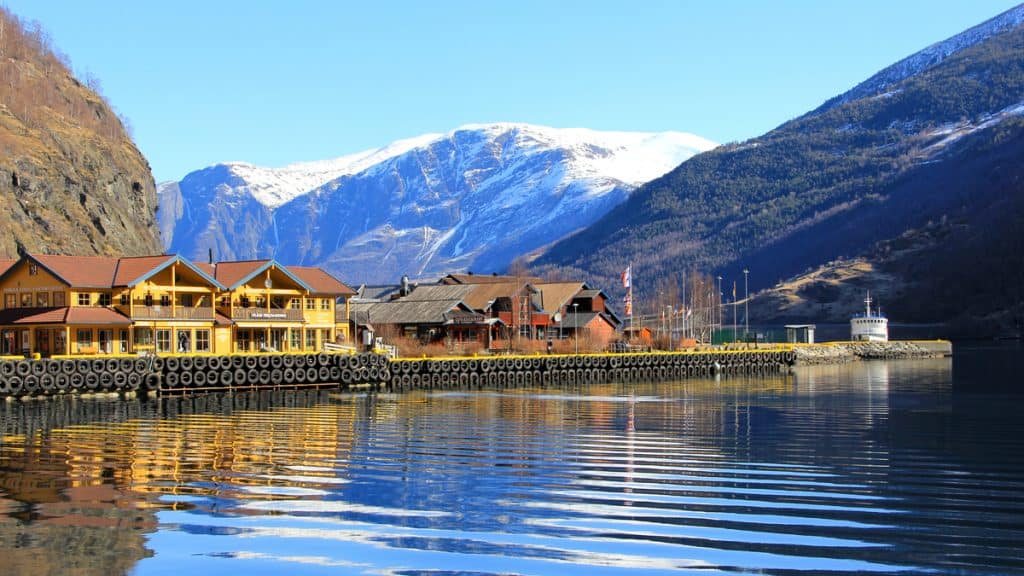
(630, 269)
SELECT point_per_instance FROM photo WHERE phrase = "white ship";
(870, 326)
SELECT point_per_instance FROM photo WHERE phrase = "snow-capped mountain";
(474, 198)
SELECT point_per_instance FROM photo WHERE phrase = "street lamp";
(746, 306)
(576, 325)
(719, 307)
(668, 309)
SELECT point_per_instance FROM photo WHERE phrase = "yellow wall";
(27, 288)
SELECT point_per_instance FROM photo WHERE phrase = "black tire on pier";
(121, 380)
(288, 375)
(186, 363)
(276, 376)
(22, 368)
(251, 362)
(172, 363)
(47, 383)
(126, 364)
(52, 367)
(77, 380)
(288, 361)
(323, 374)
(106, 380)
(153, 381)
(239, 377)
(199, 379)
(264, 376)
(171, 381)
(15, 384)
(226, 378)
(200, 364)
(335, 376)
(6, 368)
(263, 362)
(134, 381)
(252, 376)
(62, 382)
(140, 365)
(30, 384)
(36, 367)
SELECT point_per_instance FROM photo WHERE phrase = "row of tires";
(55, 376)
(229, 372)
(570, 376)
(183, 364)
(258, 371)
(752, 360)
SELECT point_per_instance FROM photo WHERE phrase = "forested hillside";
(940, 145)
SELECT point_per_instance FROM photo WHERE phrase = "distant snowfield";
(472, 198)
(630, 157)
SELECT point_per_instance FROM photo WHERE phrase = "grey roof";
(408, 311)
(440, 292)
(589, 293)
(376, 293)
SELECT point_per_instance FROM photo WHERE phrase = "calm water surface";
(898, 467)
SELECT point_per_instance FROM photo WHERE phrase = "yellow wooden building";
(84, 305)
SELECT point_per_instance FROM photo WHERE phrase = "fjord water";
(874, 467)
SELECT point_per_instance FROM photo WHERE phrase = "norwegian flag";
(628, 305)
(627, 276)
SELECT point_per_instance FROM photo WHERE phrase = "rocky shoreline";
(843, 352)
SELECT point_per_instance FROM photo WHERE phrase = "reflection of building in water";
(79, 499)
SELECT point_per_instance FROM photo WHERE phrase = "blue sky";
(279, 82)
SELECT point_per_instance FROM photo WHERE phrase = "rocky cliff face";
(72, 180)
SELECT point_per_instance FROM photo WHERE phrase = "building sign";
(17, 289)
(268, 316)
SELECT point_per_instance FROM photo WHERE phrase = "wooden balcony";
(166, 313)
(264, 315)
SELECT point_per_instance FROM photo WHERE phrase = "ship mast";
(867, 303)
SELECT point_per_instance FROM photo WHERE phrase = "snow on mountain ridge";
(477, 196)
(631, 157)
(929, 57)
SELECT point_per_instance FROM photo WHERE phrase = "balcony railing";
(262, 314)
(166, 313)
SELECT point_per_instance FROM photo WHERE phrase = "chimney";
(405, 285)
(211, 255)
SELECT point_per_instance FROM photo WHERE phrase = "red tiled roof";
(129, 269)
(221, 320)
(6, 264)
(229, 273)
(65, 315)
(32, 316)
(207, 268)
(81, 271)
(82, 315)
(320, 281)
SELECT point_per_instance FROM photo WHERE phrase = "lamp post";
(719, 306)
(746, 306)
(668, 310)
(576, 325)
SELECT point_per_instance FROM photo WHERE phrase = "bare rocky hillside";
(71, 179)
